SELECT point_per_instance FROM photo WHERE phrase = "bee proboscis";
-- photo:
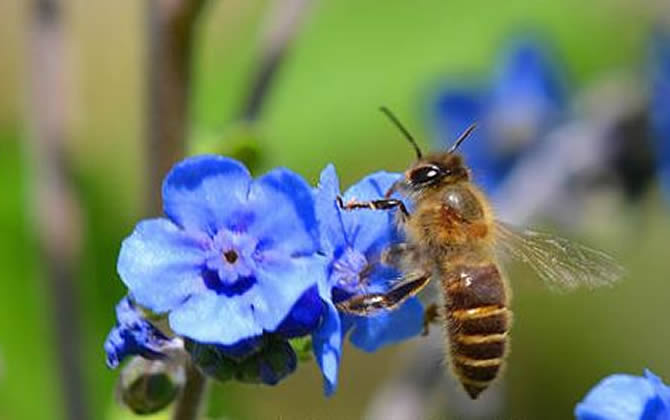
(452, 237)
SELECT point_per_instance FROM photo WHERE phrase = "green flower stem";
(191, 401)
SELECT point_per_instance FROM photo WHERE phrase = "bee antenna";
(402, 128)
(462, 137)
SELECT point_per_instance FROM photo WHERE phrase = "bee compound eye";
(425, 174)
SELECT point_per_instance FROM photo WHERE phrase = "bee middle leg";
(431, 315)
(371, 303)
(401, 255)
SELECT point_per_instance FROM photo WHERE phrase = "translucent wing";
(563, 265)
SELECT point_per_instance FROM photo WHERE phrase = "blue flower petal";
(369, 231)
(285, 208)
(618, 397)
(525, 98)
(372, 333)
(304, 317)
(456, 108)
(529, 79)
(454, 111)
(212, 318)
(132, 335)
(662, 392)
(331, 227)
(327, 344)
(201, 193)
(279, 287)
(161, 264)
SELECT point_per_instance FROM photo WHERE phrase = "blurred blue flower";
(525, 98)
(235, 257)
(660, 104)
(133, 335)
(353, 241)
(626, 397)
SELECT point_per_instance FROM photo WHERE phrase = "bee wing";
(563, 265)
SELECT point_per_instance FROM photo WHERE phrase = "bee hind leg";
(371, 303)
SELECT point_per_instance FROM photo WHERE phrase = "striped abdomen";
(477, 323)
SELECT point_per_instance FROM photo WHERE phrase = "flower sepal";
(302, 346)
(269, 361)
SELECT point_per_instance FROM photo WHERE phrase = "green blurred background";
(348, 58)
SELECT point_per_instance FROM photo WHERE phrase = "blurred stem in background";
(55, 205)
(170, 37)
(170, 48)
(280, 28)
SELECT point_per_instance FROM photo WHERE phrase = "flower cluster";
(525, 98)
(239, 267)
(626, 397)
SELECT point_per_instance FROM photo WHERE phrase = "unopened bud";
(211, 360)
(148, 386)
(273, 363)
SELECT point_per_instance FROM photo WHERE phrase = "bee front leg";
(371, 303)
(382, 204)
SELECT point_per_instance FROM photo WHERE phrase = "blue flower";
(626, 397)
(353, 241)
(660, 104)
(133, 335)
(525, 99)
(234, 259)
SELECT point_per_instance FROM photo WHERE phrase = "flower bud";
(148, 386)
(211, 360)
(269, 361)
(273, 363)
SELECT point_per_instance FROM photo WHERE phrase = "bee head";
(437, 169)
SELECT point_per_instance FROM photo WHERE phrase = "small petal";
(161, 264)
(331, 226)
(662, 391)
(327, 343)
(372, 333)
(304, 317)
(617, 397)
(132, 335)
(202, 193)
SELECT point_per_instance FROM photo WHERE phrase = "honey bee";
(452, 236)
